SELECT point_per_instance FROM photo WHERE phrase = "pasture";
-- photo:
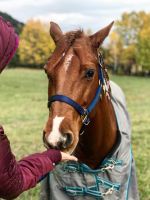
(23, 113)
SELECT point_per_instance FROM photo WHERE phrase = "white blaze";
(55, 134)
(67, 61)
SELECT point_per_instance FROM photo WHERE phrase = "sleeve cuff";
(54, 155)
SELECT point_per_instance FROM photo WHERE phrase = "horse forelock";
(71, 36)
(63, 46)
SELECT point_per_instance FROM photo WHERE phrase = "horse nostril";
(67, 140)
(61, 143)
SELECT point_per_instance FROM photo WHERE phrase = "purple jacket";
(8, 43)
(16, 177)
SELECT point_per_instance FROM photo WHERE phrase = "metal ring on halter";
(85, 118)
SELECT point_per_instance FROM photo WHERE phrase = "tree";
(130, 41)
(128, 58)
(36, 45)
(128, 27)
(115, 48)
(143, 48)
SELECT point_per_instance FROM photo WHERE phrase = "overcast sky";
(72, 14)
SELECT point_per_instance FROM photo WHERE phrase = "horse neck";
(100, 136)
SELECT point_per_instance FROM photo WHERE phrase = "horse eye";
(89, 73)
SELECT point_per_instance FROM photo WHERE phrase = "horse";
(87, 118)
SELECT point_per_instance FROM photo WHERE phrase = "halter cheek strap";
(84, 112)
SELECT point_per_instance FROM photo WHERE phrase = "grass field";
(23, 113)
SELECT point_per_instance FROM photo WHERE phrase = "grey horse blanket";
(114, 179)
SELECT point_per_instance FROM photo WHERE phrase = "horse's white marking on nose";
(55, 134)
(67, 61)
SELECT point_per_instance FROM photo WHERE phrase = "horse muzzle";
(63, 142)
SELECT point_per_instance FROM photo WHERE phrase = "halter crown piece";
(84, 112)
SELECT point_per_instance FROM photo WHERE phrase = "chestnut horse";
(83, 119)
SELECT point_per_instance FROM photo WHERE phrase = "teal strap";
(91, 191)
(94, 191)
(82, 191)
(108, 184)
(111, 160)
(81, 168)
(110, 163)
(107, 164)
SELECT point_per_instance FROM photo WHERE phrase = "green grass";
(23, 100)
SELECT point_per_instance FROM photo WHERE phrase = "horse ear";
(98, 38)
(55, 32)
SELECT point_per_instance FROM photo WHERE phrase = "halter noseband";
(84, 112)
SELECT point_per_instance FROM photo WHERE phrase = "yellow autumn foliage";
(36, 45)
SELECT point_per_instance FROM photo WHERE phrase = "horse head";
(72, 72)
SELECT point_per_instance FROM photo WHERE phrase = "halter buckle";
(85, 118)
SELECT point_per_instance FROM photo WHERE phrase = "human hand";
(65, 157)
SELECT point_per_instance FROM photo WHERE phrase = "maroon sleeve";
(16, 177)
(37, 165)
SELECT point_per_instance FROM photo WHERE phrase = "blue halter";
(84, 112)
